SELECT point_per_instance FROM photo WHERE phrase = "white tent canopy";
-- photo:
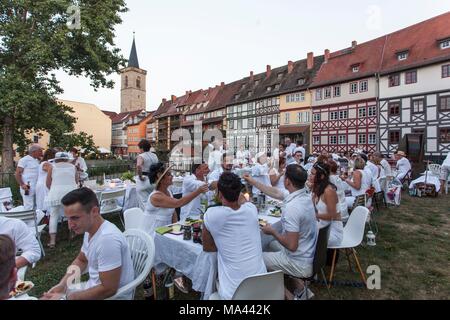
(100, 150)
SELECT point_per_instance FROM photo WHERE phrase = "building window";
(269, 88)
(333, 115)
(319, 94)
(394, 137)
(297, 97)
(411, 77)
(138, 82)
(301, 81)
(361, 139)
(444, 135)
(126, 81)
(337, 91)
(343, 114)
(299, 117)
(288, 98)
(306, 116)
(445, 44)
(355, 68)
(36, 139)
(372, 111)
(316, 117)
(394, 80)
(361, 112)
(402, 55)
(286, 118)
(342, 139)
(316, 140)
(444, 103)
(277, 87)
(333, 140)
(256, 82)
(372, 138)
(236, 97)
(363, 86)
(302, 96)
(328, 93)
(446, 71)
(353, 87)
(418, 106)
(394, 108)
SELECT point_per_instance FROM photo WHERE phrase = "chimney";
(268, 71)
(164, 100)
(327, 55)
(251, 75)
(222, 84)
(354, 44)
(174, 98)
(290, 66)
(310, 60)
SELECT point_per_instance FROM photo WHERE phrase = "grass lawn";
(412, 251)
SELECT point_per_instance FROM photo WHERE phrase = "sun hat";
(401, 153)
(163, 174)
(61, 156)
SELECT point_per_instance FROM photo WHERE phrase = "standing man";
(79, 163)
(27, 175)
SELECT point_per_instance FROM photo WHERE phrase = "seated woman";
(340, 190)
(326, 202)
(359, 182)
(277, 174)
(160, 208)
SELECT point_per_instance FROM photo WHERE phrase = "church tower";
(133, 87)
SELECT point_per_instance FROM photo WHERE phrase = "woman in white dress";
(161, 205)
(277, 175)
(41, 185)
(340, 190)
(61, 179)
(143, 163)
(359, 183)
(325, 202)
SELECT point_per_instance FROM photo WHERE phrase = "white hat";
(61, 156)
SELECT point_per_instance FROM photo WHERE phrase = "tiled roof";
(110, 114)
(224, 96)
(124, 116)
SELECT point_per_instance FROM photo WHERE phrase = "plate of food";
(176, 230)
(21, 288)
(276, 212)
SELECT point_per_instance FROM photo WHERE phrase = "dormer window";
(268, 89)
(236, 97)
(280, 76)
(301, 81)
(277, 87)
(355, 68)
(249, 94)
(402, 55)
(445, 44)
(243, 87)
(256, 82)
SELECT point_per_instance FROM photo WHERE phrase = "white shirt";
(80, 161)
(260, 172)
(191, 184)
(215, 175)
(23, 237)
(30, 168)
(373, 169)
(108, 250)
(447, 160)
(387, 171)
(299, 216)
(403, 166)
(215, 160)
(238, 240)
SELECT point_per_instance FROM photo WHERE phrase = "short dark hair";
(296, 175)
(154, 170)
(84, 196)
(229, 186)
(364, 157)
(195, 166)
(7, 261)
(144, 145)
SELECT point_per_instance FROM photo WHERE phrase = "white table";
(189, 258)
(131, 196)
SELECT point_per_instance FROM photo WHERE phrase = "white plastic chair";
(133, 218)
(353, 236)
(28, 216)
(435, 169)
(142, 248)
(266, 286)
(112, 195)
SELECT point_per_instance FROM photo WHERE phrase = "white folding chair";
(142, 248)
(108, 202)
(266, 286)
(133, 218)
(28, 216)
(353, 236)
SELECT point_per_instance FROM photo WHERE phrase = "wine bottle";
(148, 290)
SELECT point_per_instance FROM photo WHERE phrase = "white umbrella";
(103, 150)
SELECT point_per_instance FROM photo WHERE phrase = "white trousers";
(55, 213)
(28, 201)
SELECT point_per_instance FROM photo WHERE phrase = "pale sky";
(196, 44)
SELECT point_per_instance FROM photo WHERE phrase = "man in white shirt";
(24, 239)
(190, 184)
(445, 172)
(297, 158)
(233, 231)
(104, 253)
(294, 248)
(79, 163)
(403, 165)
(226, 166)
(386, 167)
(27, 174)
(260, 172)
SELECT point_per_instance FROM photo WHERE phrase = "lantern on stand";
(371, 239)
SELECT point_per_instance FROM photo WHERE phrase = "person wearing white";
(445, 172)
(242, 155)
(104, 254)
(79, 163)
(261, 172)
(27, 173)
(277, 175)
(300, 148)
(61, 179)
(233, 231)
(191, 184)
(215, 160)
(24, 239)
(340, 190)
(403, 165)
(386, 170)
(143, 163)
(226, 166)
(295, 246)
(160, 207)
(41, 185)
(359, 183)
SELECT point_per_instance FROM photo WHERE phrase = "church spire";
(133, 61)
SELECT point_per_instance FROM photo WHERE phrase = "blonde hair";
(360, 163)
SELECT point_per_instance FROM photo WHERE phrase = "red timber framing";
(357, 123)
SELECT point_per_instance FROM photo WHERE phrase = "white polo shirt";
(30, 168)
(108, 250)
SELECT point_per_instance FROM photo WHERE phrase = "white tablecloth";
(189, 258)
(430, 178)
(131, 197)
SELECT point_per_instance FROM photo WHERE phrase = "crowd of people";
(315, 191)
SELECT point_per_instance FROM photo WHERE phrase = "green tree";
(69, 140)
(36, 39)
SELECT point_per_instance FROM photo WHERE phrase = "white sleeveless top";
(336, 226)
(155, 217)
(366, 182)
(41, 188)
(63, 181)
(149, 159)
